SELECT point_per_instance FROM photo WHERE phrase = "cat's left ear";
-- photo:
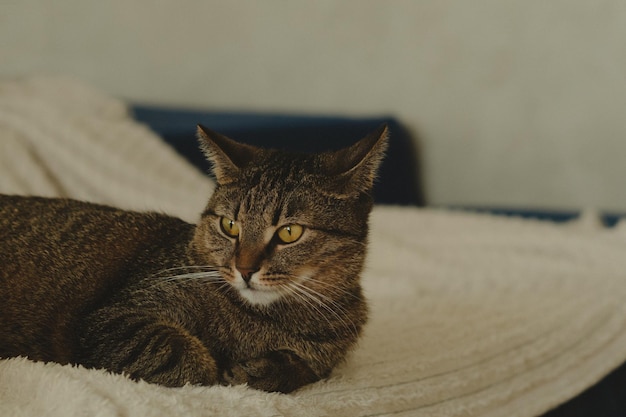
(227, 156)
(354, 169)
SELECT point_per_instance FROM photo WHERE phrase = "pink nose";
(246, 273)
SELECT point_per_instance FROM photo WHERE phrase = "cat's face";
(282, 225)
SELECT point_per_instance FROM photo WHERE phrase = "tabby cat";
(264, 290)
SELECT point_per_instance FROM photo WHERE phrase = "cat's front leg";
(176, 359)
(144, 348)
(278, 371)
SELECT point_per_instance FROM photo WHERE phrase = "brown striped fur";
(172, 303)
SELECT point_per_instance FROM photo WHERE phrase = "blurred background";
(518, 103)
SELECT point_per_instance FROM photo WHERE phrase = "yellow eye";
(290, 233)
(229, 227)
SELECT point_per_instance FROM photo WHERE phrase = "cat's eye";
(290, 233)
(229, 227)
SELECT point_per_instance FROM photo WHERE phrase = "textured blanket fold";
(64, 139)
(471, 315)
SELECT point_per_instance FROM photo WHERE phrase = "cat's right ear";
(227, 156)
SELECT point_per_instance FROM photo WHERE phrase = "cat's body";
(264, 290)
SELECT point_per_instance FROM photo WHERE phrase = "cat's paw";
(246, 372)
(276, 372)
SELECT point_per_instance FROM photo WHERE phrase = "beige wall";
(519, 102)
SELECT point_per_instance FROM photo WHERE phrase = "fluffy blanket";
(471, 315)
(61, 138)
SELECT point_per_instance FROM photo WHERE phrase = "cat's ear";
(353, 169)
(227, 156)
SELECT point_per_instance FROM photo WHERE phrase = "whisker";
(321, 297)
(340, 313)
(205, 274)
(335, 289)
(185, 268)
(306, 298)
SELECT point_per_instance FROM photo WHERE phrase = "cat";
(264, 290)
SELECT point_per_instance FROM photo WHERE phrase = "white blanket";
(471, 315)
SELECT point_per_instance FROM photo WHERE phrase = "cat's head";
(283, 225)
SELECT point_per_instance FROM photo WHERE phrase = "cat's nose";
(246, 273)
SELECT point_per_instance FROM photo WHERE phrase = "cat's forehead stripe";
(277, 213)
(272, 191)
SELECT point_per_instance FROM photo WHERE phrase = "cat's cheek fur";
(210, 247)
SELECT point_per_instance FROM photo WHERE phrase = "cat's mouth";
(259, 296)
(254, 291)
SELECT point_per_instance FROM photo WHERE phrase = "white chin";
(258, 297)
